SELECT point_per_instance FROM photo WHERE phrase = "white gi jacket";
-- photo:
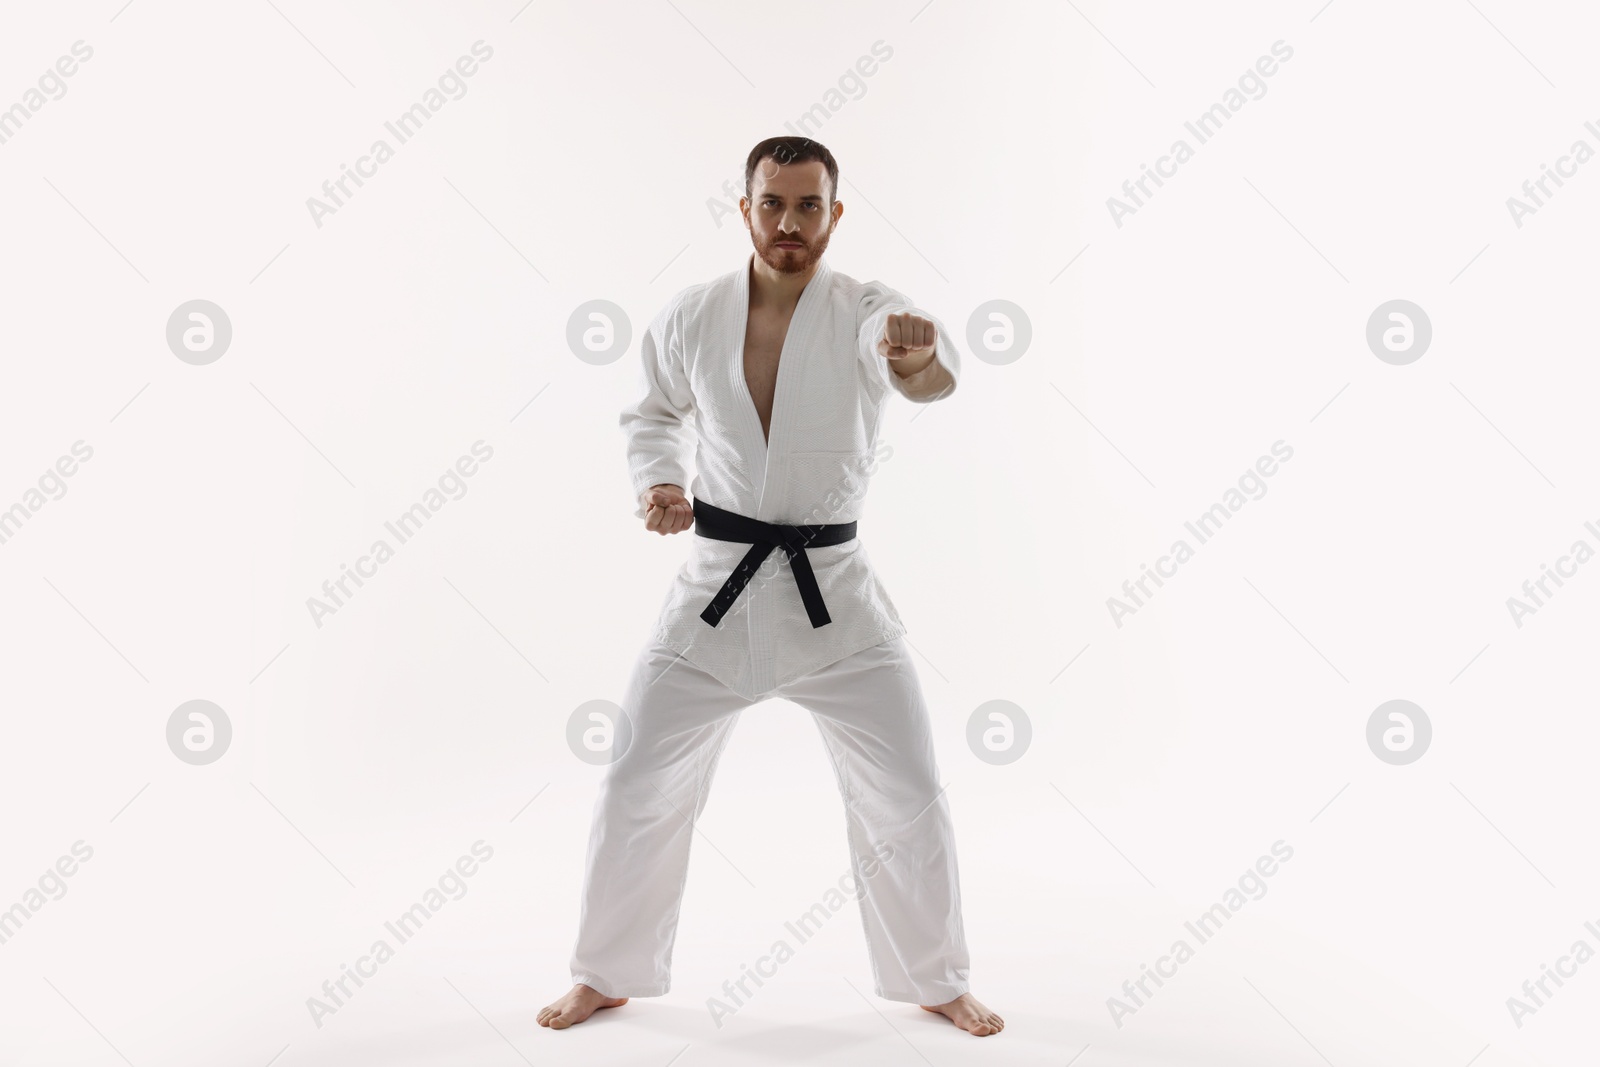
(828, 404)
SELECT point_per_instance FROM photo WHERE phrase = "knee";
(641, 787)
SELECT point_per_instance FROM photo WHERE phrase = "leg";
(638, 853)
(873, 719)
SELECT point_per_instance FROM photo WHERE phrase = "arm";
(906, 347)
(913, 350)
(657, 422)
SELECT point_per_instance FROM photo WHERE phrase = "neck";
(768, 286)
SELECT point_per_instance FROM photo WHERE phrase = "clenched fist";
(908, 336)
(667, 510)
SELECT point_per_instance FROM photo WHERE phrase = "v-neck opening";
(803, 310)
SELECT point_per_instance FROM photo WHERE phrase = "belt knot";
(762, 537)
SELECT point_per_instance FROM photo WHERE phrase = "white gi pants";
(870, 710)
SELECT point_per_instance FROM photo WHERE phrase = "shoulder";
(670, 316)
(690, 311)
(693, 302)
(867, 297)
(856, 292)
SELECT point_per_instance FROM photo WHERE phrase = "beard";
(791, 261)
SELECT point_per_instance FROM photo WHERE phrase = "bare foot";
(580, 1002)
(969, 1014)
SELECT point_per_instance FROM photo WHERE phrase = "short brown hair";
(786, 150)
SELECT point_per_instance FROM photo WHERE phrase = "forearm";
(922, 378)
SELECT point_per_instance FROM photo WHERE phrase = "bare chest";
(763, 345)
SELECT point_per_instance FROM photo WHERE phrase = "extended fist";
(905, 334)
(667, 510)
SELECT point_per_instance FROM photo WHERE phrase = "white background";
(1167, 355)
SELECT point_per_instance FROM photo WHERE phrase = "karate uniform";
(854, 673)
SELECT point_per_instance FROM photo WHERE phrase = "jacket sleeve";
(657, 423)
(878, 302)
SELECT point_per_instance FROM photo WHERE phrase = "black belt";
(762, 537)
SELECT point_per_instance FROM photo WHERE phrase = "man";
(776, 377)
